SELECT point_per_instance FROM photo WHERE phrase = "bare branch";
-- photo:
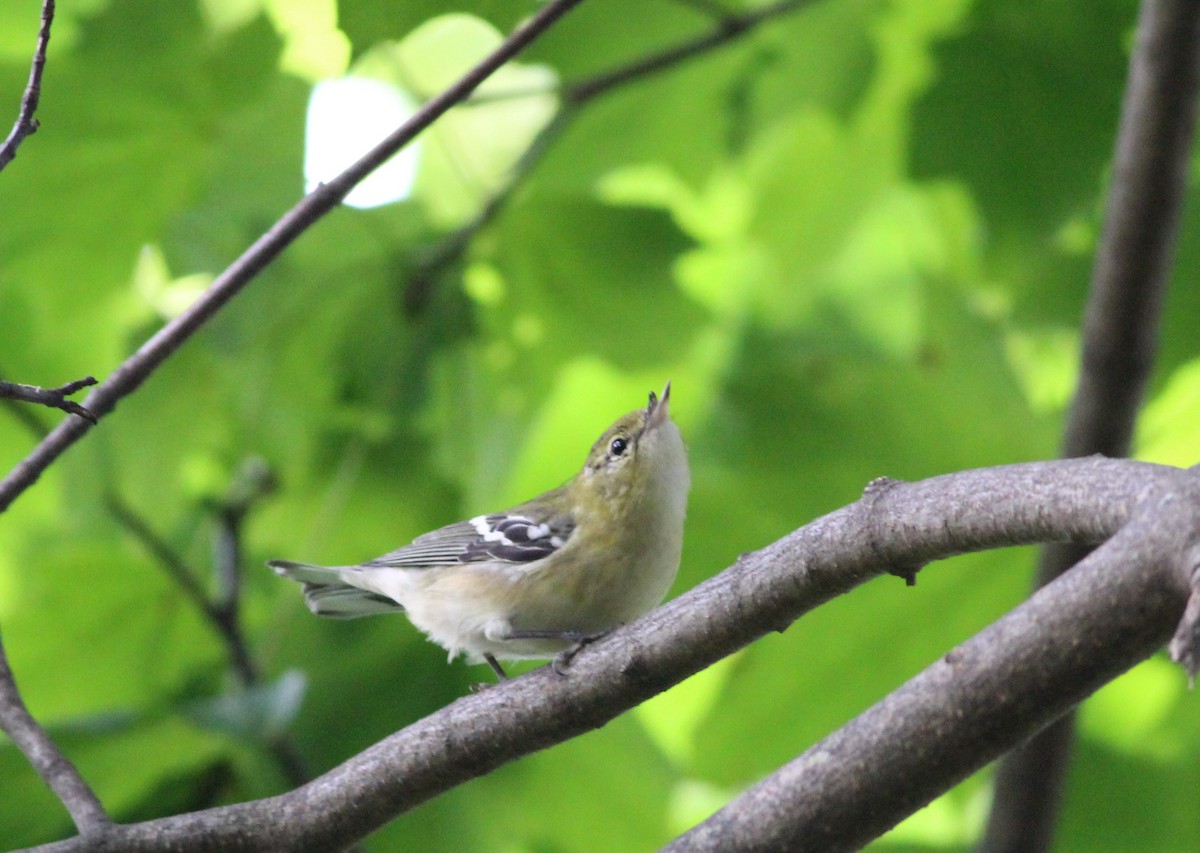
(727, 28)
(170, 560)
(907, 525)
(224, 617)
(1113, 610)
(449, 250)
(1120, 334)
(54, 768)
(1137, 246)
(55, 398)
(138, 367)
(26, 124)
(185, 577)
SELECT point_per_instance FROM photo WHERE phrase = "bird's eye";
(618, 446)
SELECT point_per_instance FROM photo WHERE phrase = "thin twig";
(55, 769)
(184, 576)
(251, 483)
(575, 96)
(223, 617)
(170, 560)
(26, 124)
(54, 398)
(712, 8)
(726, 29)
(137, 368)
(1120, 335)
(450, 249)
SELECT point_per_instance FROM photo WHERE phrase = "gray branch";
(1111, 611)
(1141, 224)
(1089, 626)
(1120, 335)
(56, 771)
(138, 367)
(26, 125)
(55, 398)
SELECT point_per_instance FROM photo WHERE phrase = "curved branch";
(135, 369)
(1120, 334)
(1111, 611)
(896, 524)
(26, 125)
(59, 774)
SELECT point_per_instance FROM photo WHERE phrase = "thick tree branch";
(1113, 610)
(26, 125)
(898, 524)
(138, 367)
(1141, 226)
(1120, 333)
(55, 398)
(54, 768)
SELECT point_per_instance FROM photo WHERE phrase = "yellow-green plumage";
(583, 558)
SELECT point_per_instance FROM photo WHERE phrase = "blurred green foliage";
(857, 240)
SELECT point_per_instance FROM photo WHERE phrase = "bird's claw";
(563, 659)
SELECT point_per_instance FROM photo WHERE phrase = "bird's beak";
(656, 411)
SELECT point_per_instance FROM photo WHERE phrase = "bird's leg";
(501, 675)
(562, 660)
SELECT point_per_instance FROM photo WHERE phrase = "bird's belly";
(592, 596)
(474, 608)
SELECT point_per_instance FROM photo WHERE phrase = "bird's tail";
(326, 594)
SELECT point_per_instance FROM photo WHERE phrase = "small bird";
(546, 577)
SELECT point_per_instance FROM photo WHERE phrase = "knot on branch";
(54, 398)
(875, 491)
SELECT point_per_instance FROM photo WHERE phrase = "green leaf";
(255, 713)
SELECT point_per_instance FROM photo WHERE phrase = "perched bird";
(545, 577)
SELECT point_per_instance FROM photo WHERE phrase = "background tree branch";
(54, 398)
(1092, 625)
(223, 611)
(727, 27)
(45, 756)
(26, 125)
(1120, 334)
(59, 773)
(138, 367)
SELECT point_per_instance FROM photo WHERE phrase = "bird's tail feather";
(342, 601)
(306, 572)
(326, 594)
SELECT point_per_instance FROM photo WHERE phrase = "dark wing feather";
(517, 536)
(514, 539)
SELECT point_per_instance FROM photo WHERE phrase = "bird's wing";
(520, 535)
